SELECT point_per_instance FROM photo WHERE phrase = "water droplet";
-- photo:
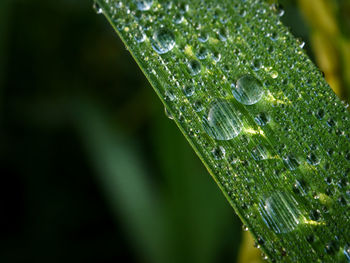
(262, 119)
(179, 18)
(189, 91)
(280, 212)
(168, 114)
(216, 56)
(170, 95)
(312, 159)
(197, 105)
(256, 64)
(194, 67)
(222, 121)
(332, 247)
(291, 162)
(248, 90)
(163, 41)
(274, 74)
(218, 153)
(278, 9)
(183, 8)
(139, 36)
(300, 187)
(245, 228)
(259, 153)
(331, 123)
(202, 53)
(320, 114)
(97, 8)
(203, 37)
(315, 215)
(144, 5)
(232, 159)
(222, 34)
(347, 252)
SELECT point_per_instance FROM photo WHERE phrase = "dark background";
(92, 170)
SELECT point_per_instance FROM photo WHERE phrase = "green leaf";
(257, 112)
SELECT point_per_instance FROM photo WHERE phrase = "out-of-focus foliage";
(330, 40)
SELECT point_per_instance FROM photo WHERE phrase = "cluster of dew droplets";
(261, 90)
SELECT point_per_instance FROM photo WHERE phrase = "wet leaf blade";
(257, 112)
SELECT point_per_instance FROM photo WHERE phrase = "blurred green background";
(92, 170)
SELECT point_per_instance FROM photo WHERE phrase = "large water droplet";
(280, 212)
(222, 121)
(163, 41)
(248, 90)
(144, 5)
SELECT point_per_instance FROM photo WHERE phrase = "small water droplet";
(259, 153)
(222, 34)
(218, 153)
(232, 159)
(203, 37)
(262, 119)
(256, 64)
(139, 36)
(277, 8)
(97, 8)
(347, 252)
(216, 56)
(222, 121)
(274, 74)
(197, 105)
(144, 5)
(315, 215)
(189, 91)
(163, 41)
(291, 162)
(300, 187)
(168, 114)
(248, 90)
(202, 53)
(178, 18)
(320, 114)
(170, 95)
(280, 212)
(183, 8)
(313, 159)
(194, 67)
(245, 228)
(332, 247)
